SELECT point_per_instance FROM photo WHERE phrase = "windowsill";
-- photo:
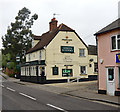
(83, 74)
(82, 56)
(95, 72)
(115, 50)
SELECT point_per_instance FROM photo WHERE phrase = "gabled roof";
(35, 37)
(114, 25)
(47, 37)
(63, 27)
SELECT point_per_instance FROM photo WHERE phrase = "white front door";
(110, 81)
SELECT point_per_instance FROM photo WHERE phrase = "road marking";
(2, 86)
(57, 108)
(10, 89)
(27, 96)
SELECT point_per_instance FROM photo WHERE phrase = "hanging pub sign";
(118, 58)
(67, 49)
(67, 72)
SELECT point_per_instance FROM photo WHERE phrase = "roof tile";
(112, 26)
(46, 38)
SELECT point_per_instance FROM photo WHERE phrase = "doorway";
(110, 81)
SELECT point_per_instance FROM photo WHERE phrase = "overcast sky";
(86, 17)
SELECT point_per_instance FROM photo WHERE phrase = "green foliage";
(18, 38)
(11, 65)
(5, 59)
(10, 75)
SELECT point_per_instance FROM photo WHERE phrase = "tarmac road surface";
(21, 97)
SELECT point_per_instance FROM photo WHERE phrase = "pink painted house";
(108, 45)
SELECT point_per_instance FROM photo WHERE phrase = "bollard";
(77, 79)
(68, 80)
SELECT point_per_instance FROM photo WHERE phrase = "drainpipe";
(97, 60)
(45, 60)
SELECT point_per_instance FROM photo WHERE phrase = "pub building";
(57, 55)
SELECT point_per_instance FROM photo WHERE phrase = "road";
(20, 97)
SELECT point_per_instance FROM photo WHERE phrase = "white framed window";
(27, 71)
(81, 52)
(118, 41)
(115, 42)
(82, 69)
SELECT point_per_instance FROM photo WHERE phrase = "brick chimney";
(53, 24)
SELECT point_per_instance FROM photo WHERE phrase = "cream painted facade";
(58, 54)
(54, 57)
(38, 55)
(34, 42)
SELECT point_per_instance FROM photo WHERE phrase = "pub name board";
(67, 49)
(118, 58)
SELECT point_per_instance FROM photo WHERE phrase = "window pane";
(118, 44)
(95, 67)
(110, 74)
(118, 39)
(55, 70)
(67, 73)
(81, 52)
(83, 70)
(113, 39)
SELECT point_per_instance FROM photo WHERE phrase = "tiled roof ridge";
(64, 25)
(59, 27)
(47, 37)
(38, 37)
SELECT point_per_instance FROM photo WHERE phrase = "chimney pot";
(53, 24)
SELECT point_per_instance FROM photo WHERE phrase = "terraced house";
(108, 43)
(57, 55)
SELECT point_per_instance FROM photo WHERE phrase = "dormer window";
(115, 42)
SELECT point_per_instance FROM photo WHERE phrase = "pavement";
(85, 90)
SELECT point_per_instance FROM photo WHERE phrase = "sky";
(86, 17)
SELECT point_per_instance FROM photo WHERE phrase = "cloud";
(84, 16)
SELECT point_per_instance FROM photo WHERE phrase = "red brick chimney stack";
(53, 24)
